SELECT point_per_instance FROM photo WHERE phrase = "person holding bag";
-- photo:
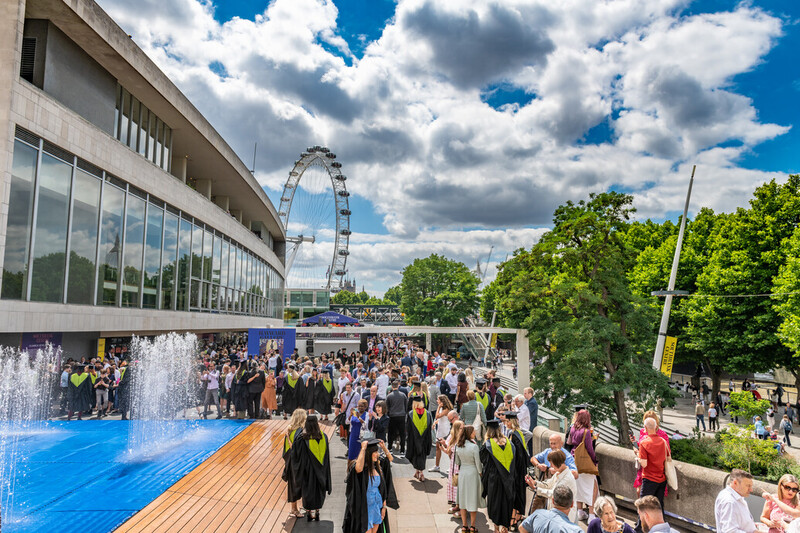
(580, 438)
(653, 455)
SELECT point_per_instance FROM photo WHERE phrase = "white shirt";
(524, 416)
(732, 514)
(452, 380)
(342, 382)
(382, 382)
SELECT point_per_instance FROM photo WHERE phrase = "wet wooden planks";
(239, 488)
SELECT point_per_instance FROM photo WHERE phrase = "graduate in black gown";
(418, 435)
(123, 396)
(310, 393)
(79, 392)
(293, 488)
(484, 398)
(498, 477)
(521, 460)
(323, 394)
(360, 481)
(293, 389)
(239, 390)
(311, 463)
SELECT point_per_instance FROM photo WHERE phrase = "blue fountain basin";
(80, 476)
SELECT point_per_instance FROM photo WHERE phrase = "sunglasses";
(793, 489)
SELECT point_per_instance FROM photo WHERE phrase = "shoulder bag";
(583, 462)
(670, 472)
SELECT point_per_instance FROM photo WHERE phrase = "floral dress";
(452, 492)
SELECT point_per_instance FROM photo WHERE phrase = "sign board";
(670, 345)
(493, 342)
(33, 342)
(261, 340)
(101, 349)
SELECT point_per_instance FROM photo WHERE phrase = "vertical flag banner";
(670, 346)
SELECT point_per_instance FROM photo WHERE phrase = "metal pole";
(489, 336)
(662, 330)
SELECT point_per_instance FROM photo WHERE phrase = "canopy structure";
(329, 317)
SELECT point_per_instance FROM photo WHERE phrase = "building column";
(428, 341)
(183, 168)
(224, 202)
(523, 361)
(204, 188)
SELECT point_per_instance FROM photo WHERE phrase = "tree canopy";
(571, 292)
(438, 291)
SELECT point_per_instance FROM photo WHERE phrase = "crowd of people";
(397, 401)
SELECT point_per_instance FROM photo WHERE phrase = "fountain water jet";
(161, 387)
(26, 392)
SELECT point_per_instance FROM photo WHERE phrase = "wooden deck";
(239, 488)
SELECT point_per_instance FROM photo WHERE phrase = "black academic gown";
(123, 395)
(309, 394)
(521, 461)
(80, 392)
(239, 390)
(292, 396)
(314, 477)
(323, 399)
(498, 486)
(293, 488)
(356, 514)
(489, 407)
(418, 446)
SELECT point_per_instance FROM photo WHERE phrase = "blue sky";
(462, 125)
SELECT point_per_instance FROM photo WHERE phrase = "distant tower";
(349, 285)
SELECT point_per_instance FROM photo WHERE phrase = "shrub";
(700, 451)
(741, 450)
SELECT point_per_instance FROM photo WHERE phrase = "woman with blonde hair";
(782, 507)
(293, 486)
(470, 378)
(442, 426)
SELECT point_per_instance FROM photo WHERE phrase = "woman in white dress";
(442, 426)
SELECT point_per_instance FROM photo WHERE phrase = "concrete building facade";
(122, 211)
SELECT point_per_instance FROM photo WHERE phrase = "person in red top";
(653, 453)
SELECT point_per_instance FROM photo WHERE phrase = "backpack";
(786, 425)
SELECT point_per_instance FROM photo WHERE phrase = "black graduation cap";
(580, 407)
(510, 414)
(371, 442)
(480, 382)
(493, 423)
(495, 380)
(415, 397)
(326, 370)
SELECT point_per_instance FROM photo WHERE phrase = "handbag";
(671, 473)
(583, 461)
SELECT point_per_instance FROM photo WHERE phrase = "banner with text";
(670, 345)
(261, 341)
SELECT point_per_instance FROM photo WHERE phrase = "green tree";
(373, 300)
(393, 295)
(652, 269)
(746, 253)
(437, 290)
(362, 297)
(572, 294)
(344, 298)
(787, 305)
(739, 448)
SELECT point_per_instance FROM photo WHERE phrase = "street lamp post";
(670, 292)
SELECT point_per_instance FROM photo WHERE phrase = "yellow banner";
(101, 349)
(493, 342)
(670, 345)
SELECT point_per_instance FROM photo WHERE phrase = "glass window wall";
(20, 212)
(50, 235)
(169, 261)
(141, 130)
(93, 234)
(110, 244)
(152, 257)
(83, 238)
